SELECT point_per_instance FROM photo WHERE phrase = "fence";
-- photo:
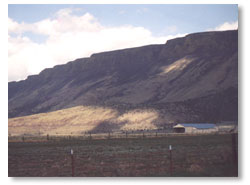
(108, 135)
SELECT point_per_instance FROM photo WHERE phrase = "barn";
(195, 128)
(179, 128)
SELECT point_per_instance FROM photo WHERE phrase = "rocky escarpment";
(193, 78)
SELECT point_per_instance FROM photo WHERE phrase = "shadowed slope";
(194, 78)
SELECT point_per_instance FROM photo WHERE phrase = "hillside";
(81, 119)
(194, 78)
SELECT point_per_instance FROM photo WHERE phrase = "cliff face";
(194, 78)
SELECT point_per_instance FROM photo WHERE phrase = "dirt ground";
(203, 155)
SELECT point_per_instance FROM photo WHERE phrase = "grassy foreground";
(204, 155)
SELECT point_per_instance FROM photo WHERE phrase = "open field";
(203, 155)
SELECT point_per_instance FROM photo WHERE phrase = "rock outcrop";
(194, 78)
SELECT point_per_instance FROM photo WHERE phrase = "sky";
(42, 36)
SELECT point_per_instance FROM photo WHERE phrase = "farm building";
(179, 128)
(195, 128)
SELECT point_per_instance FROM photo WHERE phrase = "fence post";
(126, 134)
(23, 138)
(47, 137)
(171, 163)
(72, 162)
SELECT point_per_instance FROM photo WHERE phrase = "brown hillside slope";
(194, 78)
(81, 119)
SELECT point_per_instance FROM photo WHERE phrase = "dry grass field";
(203, 155)
(80, 119)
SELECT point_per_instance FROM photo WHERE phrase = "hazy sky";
(41, 36)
